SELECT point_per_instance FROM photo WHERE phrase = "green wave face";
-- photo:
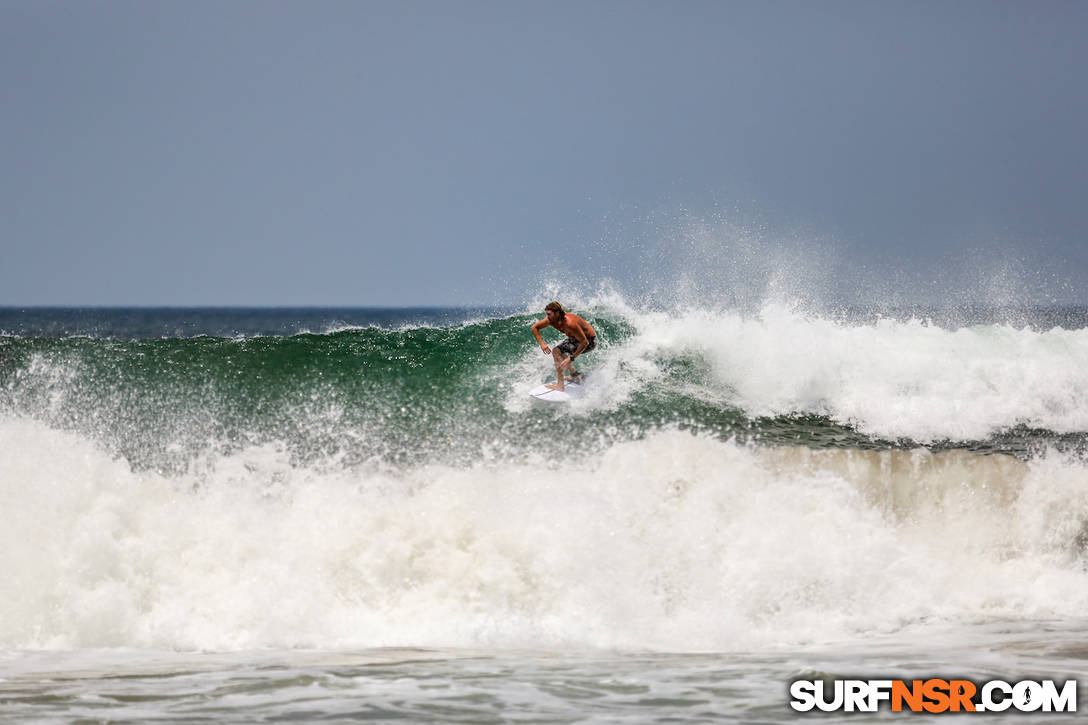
(454, 394)
(397, 395)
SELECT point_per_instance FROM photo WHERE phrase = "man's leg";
(559, 357)
(570, 368)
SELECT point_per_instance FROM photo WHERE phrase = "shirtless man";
(580, 338)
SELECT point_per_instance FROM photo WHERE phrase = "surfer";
(581, 337)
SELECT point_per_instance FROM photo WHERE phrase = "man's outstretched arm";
(537, 327)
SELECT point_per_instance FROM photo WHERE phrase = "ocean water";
(262, 515)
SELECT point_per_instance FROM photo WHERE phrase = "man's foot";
(576, 378)
(554, 386)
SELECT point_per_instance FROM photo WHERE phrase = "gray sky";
(416, 153)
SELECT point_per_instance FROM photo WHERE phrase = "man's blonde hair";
(555, 307)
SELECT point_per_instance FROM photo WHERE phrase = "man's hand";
(547, 350)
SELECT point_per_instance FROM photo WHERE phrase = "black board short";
(570, 345)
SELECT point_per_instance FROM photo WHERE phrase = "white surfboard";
(571, 391)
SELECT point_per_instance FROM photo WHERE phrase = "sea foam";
(890, 378)
(673, 542)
